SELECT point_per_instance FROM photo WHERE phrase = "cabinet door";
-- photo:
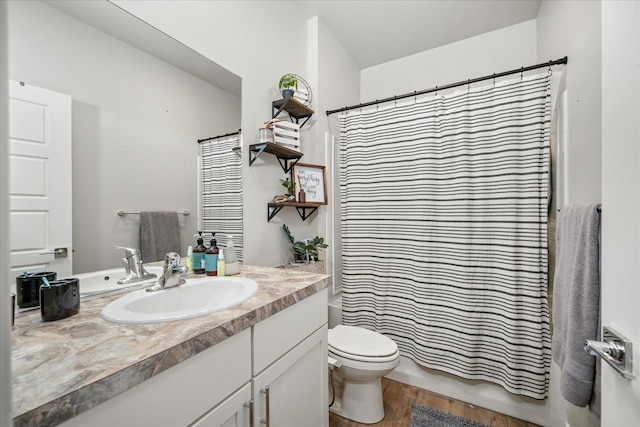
(233, 412)
(292, 392)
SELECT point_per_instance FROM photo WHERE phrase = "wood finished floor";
(399, 398)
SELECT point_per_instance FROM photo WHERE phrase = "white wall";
(5, 301)
(259, 41)
(489, 53)
(338, 85)
(572, 28)
(136, 122)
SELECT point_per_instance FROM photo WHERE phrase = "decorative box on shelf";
(286, 134)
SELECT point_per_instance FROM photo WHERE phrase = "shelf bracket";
(273, 211)
(279, 110)
(256, 150)
(305, 212)
(286, 167)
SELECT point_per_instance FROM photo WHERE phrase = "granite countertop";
(66, 367)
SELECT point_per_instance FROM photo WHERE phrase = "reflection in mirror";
(139, 102)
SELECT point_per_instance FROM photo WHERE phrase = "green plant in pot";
(288, 84)
(290, 185)
(304, 251)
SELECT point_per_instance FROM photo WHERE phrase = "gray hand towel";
(576, 299)
(159, 234)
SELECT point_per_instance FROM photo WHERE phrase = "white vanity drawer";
(179, 394)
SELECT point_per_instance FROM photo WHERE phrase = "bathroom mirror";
(140, 102)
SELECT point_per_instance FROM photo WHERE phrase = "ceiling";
(374, 32)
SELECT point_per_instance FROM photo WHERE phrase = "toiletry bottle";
(221, 264)
(190, 259)
(198, 255)
(211, 258)
(232, 265)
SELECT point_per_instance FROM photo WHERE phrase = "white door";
(621, 202)
(39, 180)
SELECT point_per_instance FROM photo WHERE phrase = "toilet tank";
(335, 311)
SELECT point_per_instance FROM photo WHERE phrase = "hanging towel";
(576, 299)
(159, 234)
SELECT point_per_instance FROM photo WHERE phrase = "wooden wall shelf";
(295, 109)
(305, 210)
(283, 154)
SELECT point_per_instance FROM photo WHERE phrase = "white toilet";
(365, 357)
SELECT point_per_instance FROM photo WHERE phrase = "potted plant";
(304, 251)
(288, 83)
(290, 185)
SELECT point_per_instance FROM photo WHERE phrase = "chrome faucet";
(172, 273)
(133, 267)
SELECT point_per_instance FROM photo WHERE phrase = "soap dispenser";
(198, 255)
(232, 265)
(211, 258)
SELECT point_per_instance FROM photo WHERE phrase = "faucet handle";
(172, 260)
(129, 252)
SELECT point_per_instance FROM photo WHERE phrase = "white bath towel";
(159, 234)
(576, 299)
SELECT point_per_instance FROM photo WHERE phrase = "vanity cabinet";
(181, 394)
(290, 366)
(275, 371)
(235, 411)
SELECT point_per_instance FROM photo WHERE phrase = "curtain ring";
(521, 72)
(494, 79)
(415, 96)
(549, 66)
(468, 85)
(436, 90)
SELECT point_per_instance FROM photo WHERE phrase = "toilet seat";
(361, 344)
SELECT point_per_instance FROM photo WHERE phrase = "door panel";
(621, 202)
(40, 179)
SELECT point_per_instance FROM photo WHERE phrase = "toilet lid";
(360, 342)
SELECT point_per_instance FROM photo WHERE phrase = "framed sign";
(313, 180)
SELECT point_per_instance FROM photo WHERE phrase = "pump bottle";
(211, 258)
(198, 255)
(232, 265)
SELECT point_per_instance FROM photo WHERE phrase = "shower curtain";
(221, 190)
(444, 230)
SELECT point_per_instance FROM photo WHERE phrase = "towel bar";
(123, 213)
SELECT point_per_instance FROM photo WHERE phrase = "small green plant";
(288, 81)
(289, 185)
(304, 251)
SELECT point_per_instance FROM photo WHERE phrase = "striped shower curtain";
(221, 184)
(444, 230)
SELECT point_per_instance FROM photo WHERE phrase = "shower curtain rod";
(220, 136)
(451, 85)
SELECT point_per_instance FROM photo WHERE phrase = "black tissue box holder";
(28, 288)
(60, 299)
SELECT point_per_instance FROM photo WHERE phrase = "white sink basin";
(195, 298)
(107, 280)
